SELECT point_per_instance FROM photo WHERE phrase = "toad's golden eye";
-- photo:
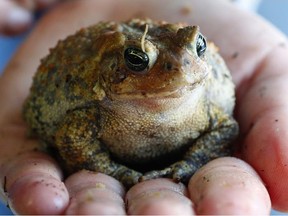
(201, 45)
(136, 60)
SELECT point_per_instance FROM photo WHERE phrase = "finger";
(228, 186)
(265, 125)
(158, 197)
(265, 148)
(94, 194)
(13, 18)
(32, 183)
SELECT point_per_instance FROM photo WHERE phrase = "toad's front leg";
(78, 144)
(211, 145)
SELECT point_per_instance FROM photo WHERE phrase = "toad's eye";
(136, 60)
(200, 45)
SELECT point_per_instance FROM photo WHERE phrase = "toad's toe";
(156, 174)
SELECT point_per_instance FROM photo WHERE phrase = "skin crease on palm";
(255, 52)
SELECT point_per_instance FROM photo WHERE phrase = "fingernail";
(18, 18)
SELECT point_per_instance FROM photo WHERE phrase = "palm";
(259, 73)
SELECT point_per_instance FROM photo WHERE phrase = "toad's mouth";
(156, 94)
(161, 93)
(157, 86)
(163, 100)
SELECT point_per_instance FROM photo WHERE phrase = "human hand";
(256, 54)
(17, 15)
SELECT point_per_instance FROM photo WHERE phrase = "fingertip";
(156, 184)
(33, 185)
(84, 178)
(228, 186)
(94, 193)
(161, 207)
(158, 196)
(30, 163)
(266, 152)
(38, 194)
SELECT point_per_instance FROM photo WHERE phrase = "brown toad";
(137, 99)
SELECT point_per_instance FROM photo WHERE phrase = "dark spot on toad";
(112, 66)
(52, 69)
(152, 134)
(68, 78)
(67, 139)
(118, 77)
(226, 76)
(73, 88)
(50, 98)
(176, 69)
(215, 74)
(186, 62)
(276, 120)
(168, 66)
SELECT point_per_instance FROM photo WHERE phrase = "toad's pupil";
(136, 59)
(200, 45)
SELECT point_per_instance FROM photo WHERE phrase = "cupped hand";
(256, 54)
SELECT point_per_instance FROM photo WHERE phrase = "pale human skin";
(255, 52)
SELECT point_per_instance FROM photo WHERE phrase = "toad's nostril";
(168, 66)
(186, 62)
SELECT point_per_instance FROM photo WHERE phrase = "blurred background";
(273, 10)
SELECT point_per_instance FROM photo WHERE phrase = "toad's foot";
(180, 171)
(127, 176)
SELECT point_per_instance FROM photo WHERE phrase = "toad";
(135, 100)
